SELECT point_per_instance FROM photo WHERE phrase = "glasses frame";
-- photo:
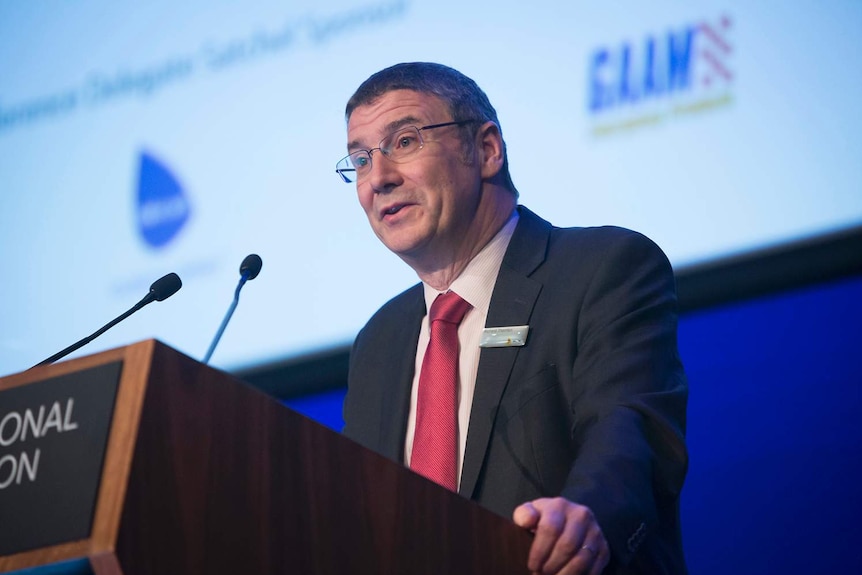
(346, 180)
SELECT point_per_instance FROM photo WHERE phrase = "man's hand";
(568, 539)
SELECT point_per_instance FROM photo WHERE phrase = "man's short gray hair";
(464, 98)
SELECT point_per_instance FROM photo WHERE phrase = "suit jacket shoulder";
(593, 406)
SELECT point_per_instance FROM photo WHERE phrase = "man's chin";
(407, 247)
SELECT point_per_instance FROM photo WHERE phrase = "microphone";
(250, 266)
(248, 270)
(162, 289)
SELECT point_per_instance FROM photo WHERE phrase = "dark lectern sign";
(53, 435)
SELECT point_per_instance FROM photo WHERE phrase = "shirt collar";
(476, 282)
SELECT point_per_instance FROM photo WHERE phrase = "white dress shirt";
(475, 285)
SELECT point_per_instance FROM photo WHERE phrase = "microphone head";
(250, 266)
(165, 287)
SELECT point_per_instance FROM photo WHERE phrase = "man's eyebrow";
(388, 129)
(405, 121)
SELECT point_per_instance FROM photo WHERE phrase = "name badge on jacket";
(509, 336)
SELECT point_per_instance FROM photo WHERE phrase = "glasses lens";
(401, 144)
(353, 166)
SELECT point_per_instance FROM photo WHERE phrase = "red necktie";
(435, 440)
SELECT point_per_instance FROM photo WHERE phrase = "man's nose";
(384, 174)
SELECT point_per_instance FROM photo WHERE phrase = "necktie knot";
(448, 307)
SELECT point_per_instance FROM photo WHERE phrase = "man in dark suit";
(569, 396)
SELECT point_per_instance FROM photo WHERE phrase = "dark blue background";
(774, 432)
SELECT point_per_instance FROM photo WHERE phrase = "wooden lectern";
(196, 472)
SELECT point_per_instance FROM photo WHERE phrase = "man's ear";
(489, 142)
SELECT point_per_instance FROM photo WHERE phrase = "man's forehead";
(359, 135)
(392, 110)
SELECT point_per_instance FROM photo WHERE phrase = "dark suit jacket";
(591, 408)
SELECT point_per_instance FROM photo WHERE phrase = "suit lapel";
(511, 304)
(397, 376)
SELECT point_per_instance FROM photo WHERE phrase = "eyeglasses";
(397, 146)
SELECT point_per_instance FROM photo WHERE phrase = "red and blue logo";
(690, 65)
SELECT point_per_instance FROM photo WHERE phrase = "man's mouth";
(393, 209)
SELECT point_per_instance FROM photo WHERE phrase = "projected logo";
(685, 70)
(162, 208)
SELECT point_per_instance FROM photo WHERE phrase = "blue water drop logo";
(162, 208)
